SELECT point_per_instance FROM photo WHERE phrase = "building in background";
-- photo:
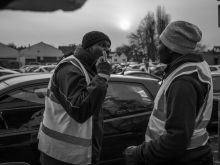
(9, 57)
(8, 53)
(213, 56)
(40, 53)
(115, 58)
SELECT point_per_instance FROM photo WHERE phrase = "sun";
(124, 24)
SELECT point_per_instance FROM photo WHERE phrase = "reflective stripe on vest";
(60, 136)
(156, 125)
(66, 138)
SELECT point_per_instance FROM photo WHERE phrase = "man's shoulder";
(191, 80)
(66, 68)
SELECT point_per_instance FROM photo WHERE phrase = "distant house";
(8, 53)
(116, 58)
(216, 49)
(40, 53)
(9, 57)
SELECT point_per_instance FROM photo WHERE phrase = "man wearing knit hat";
(71, 131)
(176, 132)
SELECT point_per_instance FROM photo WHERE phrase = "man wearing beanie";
(71, 131)
(176, 132)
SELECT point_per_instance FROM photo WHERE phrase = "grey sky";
(117, 18)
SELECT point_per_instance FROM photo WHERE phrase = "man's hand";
(131, 156)
(103, 67)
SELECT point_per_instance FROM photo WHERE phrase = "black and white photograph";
(109, 82)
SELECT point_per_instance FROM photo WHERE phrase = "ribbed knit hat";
(181, 36)
(93, 37)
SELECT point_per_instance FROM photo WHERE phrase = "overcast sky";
(117, 18)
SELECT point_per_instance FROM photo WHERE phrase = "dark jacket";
(183, 102)
(83, 100)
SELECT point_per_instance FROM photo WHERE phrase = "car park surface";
(127, 107)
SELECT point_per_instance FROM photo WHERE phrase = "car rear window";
(126, 98)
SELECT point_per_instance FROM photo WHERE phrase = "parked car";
(29, 68)
(214, 68)
(216, 83)
(157, 69)
(139, 73)
(45, 68)
(216, 102)
(4, 71)
(127, 107)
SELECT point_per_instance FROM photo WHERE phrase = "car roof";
(215, 74)
(131, 72)
(8, 71)
(10, 80)
(10, 76)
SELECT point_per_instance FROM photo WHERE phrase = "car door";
(213, 124)
(20, 115)
(127, 108)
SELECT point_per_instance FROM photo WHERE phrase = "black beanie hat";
(93, 37)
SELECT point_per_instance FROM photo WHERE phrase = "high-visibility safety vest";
(156, 125)
(60, 136)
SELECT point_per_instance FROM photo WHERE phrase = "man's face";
(98, 48)
(164, 53)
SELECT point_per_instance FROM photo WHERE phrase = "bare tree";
(145, 39)
(147, 26)
(12, 45)
(162, 19)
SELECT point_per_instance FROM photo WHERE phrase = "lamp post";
(218, 15)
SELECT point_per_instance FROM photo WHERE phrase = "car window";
(22, 108)
(216, 85)
(124, 99)
(23, 97)
(213, 68)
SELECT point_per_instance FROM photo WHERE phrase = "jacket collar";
(86, 59)
(182, 60)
